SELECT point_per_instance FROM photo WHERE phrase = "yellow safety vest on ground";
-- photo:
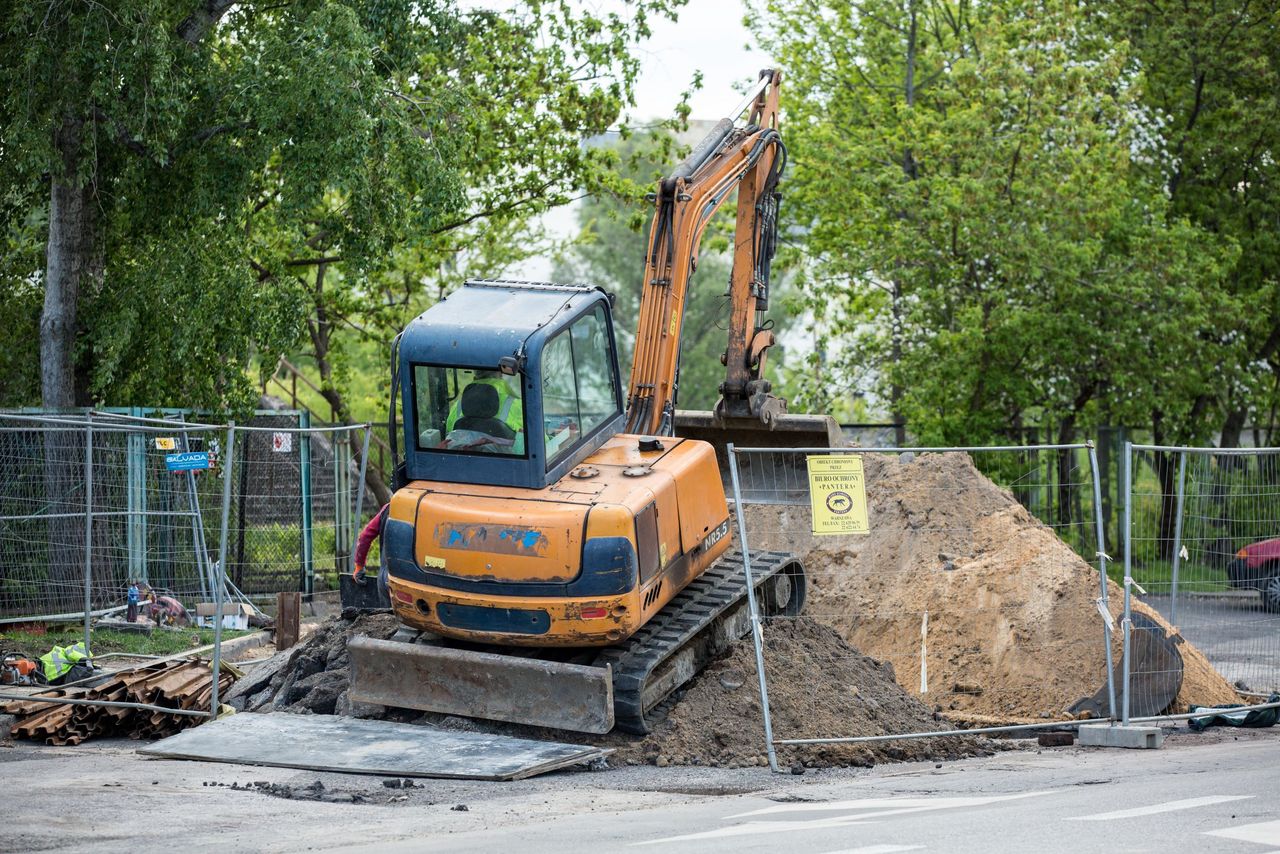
(60, 659)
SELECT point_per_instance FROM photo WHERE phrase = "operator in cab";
(487, 416)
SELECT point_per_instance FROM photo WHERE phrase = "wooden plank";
(288, 614)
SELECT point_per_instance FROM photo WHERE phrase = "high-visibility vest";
(510, 412)
(60, 659)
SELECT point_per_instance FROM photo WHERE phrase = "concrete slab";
(1106, 735)
(351, 745)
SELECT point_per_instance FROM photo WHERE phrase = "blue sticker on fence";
(193, 461)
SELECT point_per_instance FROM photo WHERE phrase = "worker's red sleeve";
(370, 533)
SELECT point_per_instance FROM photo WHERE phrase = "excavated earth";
(1013, 631)
(818, 683)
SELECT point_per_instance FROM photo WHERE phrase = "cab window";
(579, 391)
(468, 410)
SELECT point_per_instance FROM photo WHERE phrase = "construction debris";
(184, 684)
(313, 676)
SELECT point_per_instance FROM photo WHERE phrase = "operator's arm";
(368, 534)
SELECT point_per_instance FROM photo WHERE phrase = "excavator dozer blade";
(474, 684)
(787, 431)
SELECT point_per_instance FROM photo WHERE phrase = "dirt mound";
(313, 676)
(818, 686)
(1012, 629)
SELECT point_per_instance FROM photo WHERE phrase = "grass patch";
(1157, 576)
(36, 642)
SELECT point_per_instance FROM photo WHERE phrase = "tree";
(225, 165)
(977, 234)
(1212, 72)
(610, 253)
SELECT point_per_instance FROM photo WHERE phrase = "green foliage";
(978, 241)
(295, 176)
(159, 642)
(609, 252)
(1212, 74)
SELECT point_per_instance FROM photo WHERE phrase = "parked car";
(1257, 565)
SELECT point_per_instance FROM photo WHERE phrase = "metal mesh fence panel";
(969, 588)
(1202, 553)
(146, 522)
(296, 503)
(91, 502)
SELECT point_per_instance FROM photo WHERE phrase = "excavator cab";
(508, 384)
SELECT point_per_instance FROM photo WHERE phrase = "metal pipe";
(59, 618)
(111, 704)
(1127, 624)
(30, 517)
(1215, 452)
(88, 529)
(335, 428)
(750, 97)
(1102, 581)
(1203, 713)
(220, 588)
(359, 497)
(756, 630)
(1177, 539)
(967, 449)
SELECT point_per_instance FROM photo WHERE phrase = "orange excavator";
(559, 547)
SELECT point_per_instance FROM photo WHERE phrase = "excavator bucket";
(475, 684)
(786, 431)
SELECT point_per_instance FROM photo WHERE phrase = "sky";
(708, 36)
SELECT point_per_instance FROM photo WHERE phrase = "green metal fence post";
(136, 499)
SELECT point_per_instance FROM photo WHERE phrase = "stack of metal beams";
(186, 684)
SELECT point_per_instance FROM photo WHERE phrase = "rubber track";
(694, 610)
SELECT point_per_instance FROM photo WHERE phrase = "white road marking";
(887, 803)
(1169, 806)
(877, 849)
(887, 807)
(1263, 833)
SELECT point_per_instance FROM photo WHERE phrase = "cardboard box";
(235, 615)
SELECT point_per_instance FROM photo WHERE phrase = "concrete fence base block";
(1119, 735)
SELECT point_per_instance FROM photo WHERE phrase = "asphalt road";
(1240, 639)
(1213, 792)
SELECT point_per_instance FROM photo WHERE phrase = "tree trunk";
(321, 329)
(1065, 460)
(73, 266)
(73, 263)
(1165, 464)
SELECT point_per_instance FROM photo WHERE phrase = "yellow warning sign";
(165, 444)
(838, 494)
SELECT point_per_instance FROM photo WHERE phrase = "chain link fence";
(1202, 550)
(958, 573)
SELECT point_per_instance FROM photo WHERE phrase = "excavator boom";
(749, 160)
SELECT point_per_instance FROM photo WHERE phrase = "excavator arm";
(749, 159)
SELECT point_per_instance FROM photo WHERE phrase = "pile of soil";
(1013, 631)
(312, 677)
(819, 686)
